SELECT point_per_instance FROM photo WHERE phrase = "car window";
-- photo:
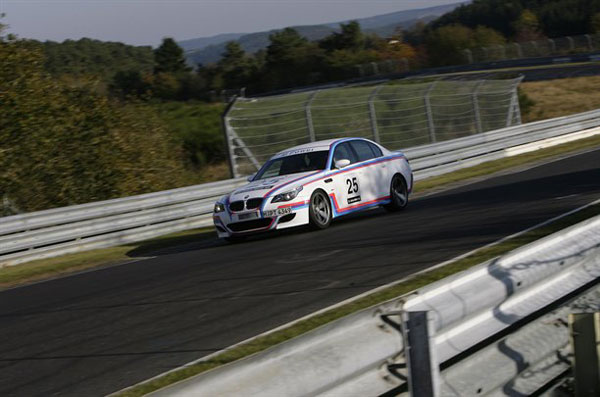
(376, 150)
(363, 150)
(303, 162)
(344, 151)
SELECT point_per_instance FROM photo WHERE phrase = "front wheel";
(319, 210)
(398, 194)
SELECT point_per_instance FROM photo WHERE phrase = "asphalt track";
(97, 332)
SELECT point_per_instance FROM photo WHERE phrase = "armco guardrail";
(101, 224)
(363, 354)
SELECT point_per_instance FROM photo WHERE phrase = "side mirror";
(250, 177)
(342, 163)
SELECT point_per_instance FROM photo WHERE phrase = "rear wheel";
(319, 210)
(398, 194)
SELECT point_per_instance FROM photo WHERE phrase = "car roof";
(313, 146)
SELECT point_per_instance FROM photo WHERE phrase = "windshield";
(304, 162)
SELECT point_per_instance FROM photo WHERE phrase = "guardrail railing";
(59, 231)
(365, 353)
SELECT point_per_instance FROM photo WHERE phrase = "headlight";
(287, 196)
(219, 207)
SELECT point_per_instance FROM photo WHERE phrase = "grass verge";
(48, 268)
(13, 276)
(263, 342)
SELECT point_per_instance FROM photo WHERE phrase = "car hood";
(261, 187)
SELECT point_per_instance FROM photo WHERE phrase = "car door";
(348, 181)
(374, 173)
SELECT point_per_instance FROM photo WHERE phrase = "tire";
(319, 210)
(398, 194)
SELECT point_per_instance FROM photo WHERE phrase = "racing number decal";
(352, 185)
(353, 189)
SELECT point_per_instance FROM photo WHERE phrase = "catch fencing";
(399, 115)
(533, 49)
(83, 227)
(560, 46)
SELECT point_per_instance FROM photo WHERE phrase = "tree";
(445, 45)
(595, 23)
(236, 67)
(527, 27)
(169, 58)
(291, 60)
(350, 38)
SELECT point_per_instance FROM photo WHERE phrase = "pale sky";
(146, 22)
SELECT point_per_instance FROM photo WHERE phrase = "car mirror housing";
(342, 163)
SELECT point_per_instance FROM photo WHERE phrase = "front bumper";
(228, 223)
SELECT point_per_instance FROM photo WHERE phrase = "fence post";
(475, 99)
(372, 114)
(406, 65)
(308, 114)
(571, 43)
(228, 139)
(429, 113)
(502, 51)
(552, 46)
(589, 40)
(469, 55)
(514, 110)
(519, 50)
(375, 69)
(584, 330)
(423, 368)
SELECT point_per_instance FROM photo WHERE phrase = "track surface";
(97, 332)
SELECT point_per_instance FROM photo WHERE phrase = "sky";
(146, 22)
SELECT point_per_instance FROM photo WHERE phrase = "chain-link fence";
(397, 115)
(532, 49)
(561, 46)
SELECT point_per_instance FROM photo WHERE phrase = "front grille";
(250, 225)
(236, 206)
(254, 203)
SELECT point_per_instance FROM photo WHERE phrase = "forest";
(87, 120)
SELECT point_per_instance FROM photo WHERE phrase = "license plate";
(251, 215)
(277, 212)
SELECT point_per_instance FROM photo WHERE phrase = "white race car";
(314, 183)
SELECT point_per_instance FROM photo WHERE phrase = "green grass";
(264, 342)
(37, 270)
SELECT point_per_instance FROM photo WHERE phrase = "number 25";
(352, 184)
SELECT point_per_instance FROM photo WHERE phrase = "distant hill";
(209, 49)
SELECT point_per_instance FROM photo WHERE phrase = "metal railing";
(396, 115)
(59, 231)
(365, 353)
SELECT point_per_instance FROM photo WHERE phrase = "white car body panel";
(358, 186)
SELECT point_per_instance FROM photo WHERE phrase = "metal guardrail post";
(309, 122)
(423, 368)
(429, 112)
(584, 329)
(372, 113)
(475, 100)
